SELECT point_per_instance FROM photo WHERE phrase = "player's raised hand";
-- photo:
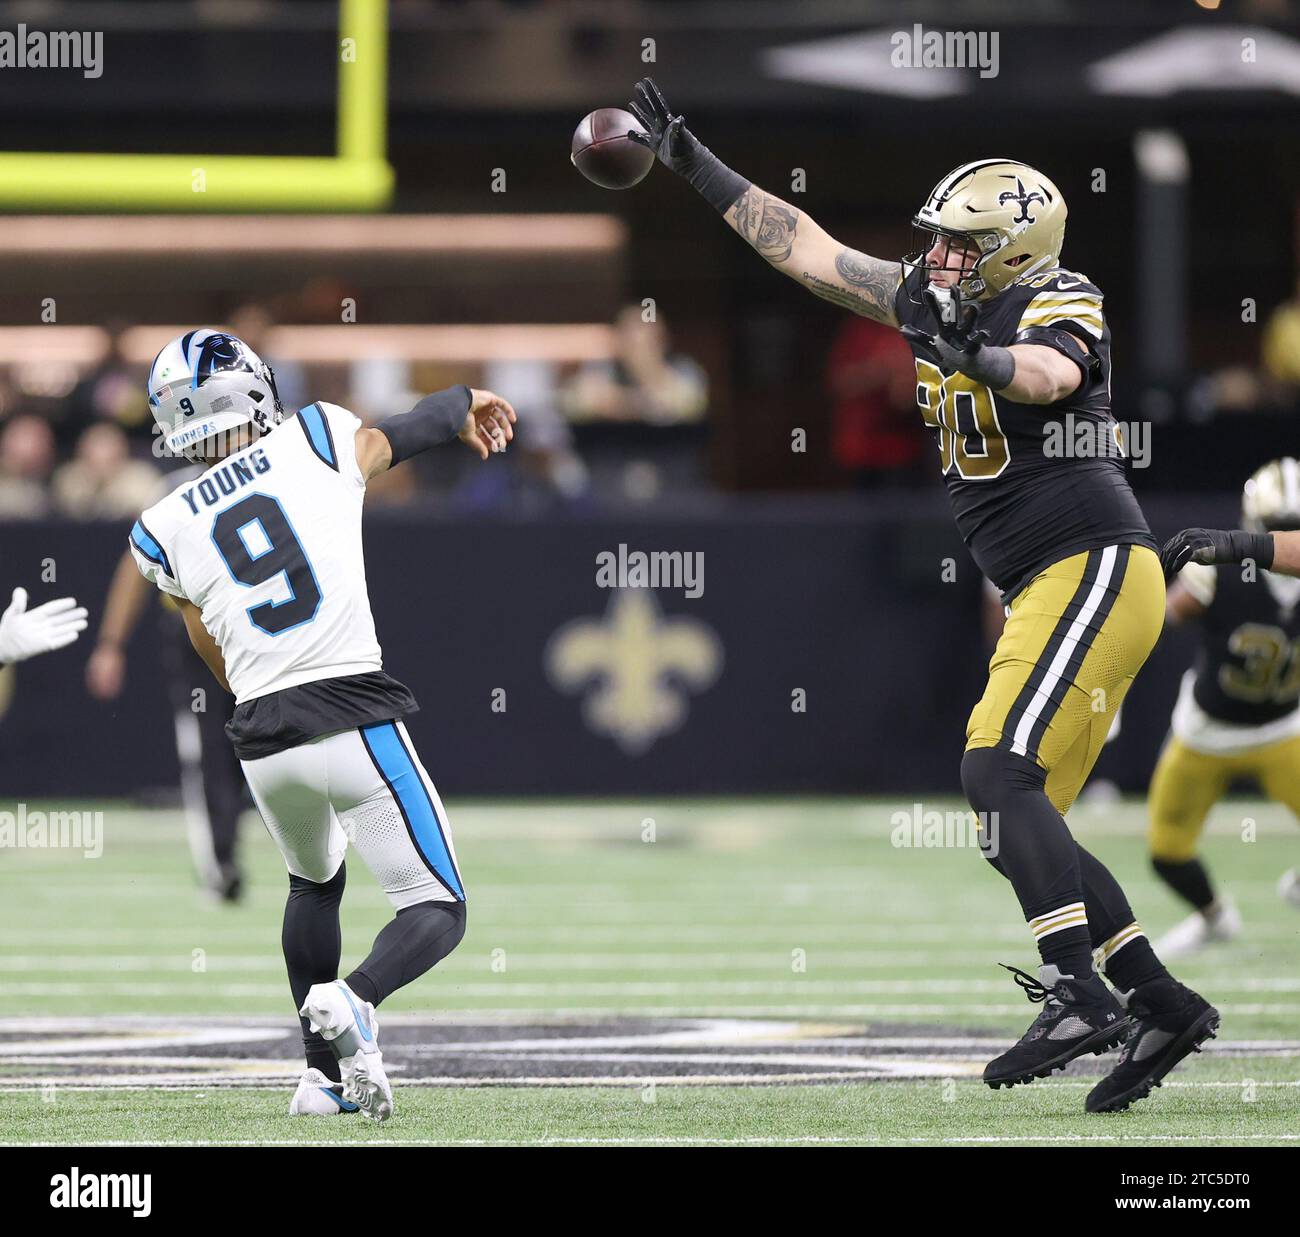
(489, 424)
(25, 633)
(955, 317)
(667, 135)
(959, 341)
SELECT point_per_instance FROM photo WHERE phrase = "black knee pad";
(455, 912)
(996, 784)
(993, 777)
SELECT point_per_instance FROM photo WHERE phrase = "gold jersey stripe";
(1060, 308)
(1089, 321)
(1046, 298)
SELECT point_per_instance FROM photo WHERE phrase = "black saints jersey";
(1248, 669)
(1030, 484)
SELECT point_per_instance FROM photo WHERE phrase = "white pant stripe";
(1042, 697)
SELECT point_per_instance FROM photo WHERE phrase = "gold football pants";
(1074, 641)
(1188, 783)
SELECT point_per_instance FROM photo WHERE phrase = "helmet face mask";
(925, 239)
(1010, 215)
(210, 393)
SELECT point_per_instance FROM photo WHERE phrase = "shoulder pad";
(1060, 297)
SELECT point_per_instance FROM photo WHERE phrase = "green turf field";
(683, 971)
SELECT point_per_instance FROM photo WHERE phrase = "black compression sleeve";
(714, 180)
(436, 419)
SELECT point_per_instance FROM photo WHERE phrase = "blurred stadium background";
(416, 224)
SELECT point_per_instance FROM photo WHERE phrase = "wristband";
(993, 366)
(1256, 546)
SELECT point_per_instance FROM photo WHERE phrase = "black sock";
(321, 1056)
(1188, 879)
(1069, 950)
(415, 940)
(1134, 964)
(313, 943)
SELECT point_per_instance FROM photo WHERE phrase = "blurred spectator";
(1281, 346)
(112, 391)
(876, 430)
(541, 465)
(643, 381)
(26, 460)
(103, 481)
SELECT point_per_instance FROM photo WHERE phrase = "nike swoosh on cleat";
(356, 1014)
(342, 1103)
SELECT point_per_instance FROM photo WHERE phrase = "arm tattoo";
(865, 285)
(765, 222)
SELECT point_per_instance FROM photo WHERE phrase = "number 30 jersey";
(267, 545)
(1029, 484)
(1245, 688)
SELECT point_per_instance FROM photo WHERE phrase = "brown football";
(604, 154)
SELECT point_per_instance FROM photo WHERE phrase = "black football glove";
(667, 135)
(676, 147)
(960, 342)
(1211, 546)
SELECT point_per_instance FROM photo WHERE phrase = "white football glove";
(24, 632)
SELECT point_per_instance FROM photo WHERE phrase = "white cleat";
(1288, 888)
(1199, 930)
(316, 1097)
(349, 1026)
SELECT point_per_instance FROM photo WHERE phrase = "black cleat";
(1169, 1021)
(228, 884)
(1078, 1017)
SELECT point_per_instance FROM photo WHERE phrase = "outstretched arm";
(480, 419)
(1286, 553)
(789, 239)
(1278, 552)
(798, 246)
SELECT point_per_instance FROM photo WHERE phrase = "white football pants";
(366, 787)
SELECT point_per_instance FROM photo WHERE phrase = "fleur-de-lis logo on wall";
(636, 667)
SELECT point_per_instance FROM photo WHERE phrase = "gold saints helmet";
(1270, 499)
(1014, 215)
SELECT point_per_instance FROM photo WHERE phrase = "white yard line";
(775, 1140)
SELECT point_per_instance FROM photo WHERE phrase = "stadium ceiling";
(165, 88)
(893, 62)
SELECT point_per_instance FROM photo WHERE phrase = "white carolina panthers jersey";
(267, 544)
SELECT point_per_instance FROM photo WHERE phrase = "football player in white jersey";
(263, 555)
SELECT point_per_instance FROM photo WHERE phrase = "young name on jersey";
(267, 544)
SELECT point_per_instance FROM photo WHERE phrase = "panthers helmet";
(207, 383)
(1270, 499)
(1014, 216)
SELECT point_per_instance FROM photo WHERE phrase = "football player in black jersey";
(1013, 378)
(1238, 713)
